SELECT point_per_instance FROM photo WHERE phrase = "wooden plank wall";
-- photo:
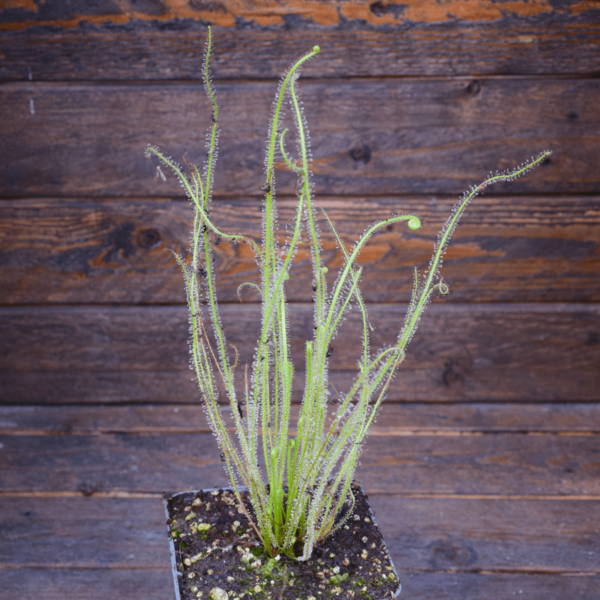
(484, 471)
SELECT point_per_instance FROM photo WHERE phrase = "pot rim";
(177, 574)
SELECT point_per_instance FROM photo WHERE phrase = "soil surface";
(219, 556)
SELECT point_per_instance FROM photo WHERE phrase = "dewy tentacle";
(319, 464)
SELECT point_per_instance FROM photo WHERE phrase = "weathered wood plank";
(556, 44)
(157, 584)
(568, 418)
(89, 139)
(108, 463)
(516, 249)
(423, 535)
(84, 532)
(84, 584)
(451, 381)
(461, 352)
(172, 14)
(499, 464)
(528, 536)
(105, 386)
(507, 586)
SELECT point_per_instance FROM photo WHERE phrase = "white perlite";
(218, 594)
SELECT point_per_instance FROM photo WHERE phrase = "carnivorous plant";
(307, 493)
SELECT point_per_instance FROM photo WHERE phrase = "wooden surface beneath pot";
(484, 466)
(473, 499)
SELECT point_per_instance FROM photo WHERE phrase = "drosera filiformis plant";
(307, 494)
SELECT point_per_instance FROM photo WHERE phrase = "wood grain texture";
(461, 352)
(454, 380)
(506, 249)
(75, 584)
(432, 535)
(383, 137)
(21, 14)
(446, 535)
(84, 532)
(157, 584)
(554, 45)
(506, 586)
(497, 464)
(104, 386)
(408, 105)
(567, 418)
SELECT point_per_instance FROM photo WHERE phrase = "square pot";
(215, 555)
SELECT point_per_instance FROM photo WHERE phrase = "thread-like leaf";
(307, 495)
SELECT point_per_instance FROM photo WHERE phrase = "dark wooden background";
(484, 468)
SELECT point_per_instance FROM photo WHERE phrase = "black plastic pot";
(177, 557)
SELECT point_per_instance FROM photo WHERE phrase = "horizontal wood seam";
(516, 307)
(370, 492)
(275, 80)
(80, 567)
(505, 571)
(246, 197)
(383, 433)
(225, 407)
(483, 571)
(242, 198)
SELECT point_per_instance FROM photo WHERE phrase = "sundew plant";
(307, 495)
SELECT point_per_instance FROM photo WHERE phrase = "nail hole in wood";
(148, 239)
(361, 154)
